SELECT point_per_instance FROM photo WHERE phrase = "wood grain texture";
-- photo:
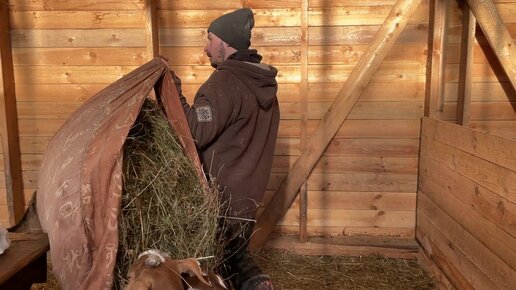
(368, 64)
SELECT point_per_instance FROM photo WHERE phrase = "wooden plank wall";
(493, 100)
(63, 53)
(466, 209)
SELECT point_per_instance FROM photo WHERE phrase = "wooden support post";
(303, 194)
(436, 61)
(497, 35)
(333, 119)
(9, 122)
(151, 27)
(466, 65)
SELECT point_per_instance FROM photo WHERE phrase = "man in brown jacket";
(234, 121)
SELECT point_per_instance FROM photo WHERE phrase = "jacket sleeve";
(209, 115)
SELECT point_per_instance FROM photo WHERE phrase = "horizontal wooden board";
(70, 74)
(30, 179)
(373, 147)
(481, 111)
(340, 147)
(348, 246)
(39, 128)
(27, 194)
(271, 17)
(498, 179)
(53, 5)
(481, 72)
(360, 111)
(481, 53)
(374, 92)
(352, 200)
(488, 204)
(497, 150)
(78, 38)
(76, 19)
(352, 218)
(230, 4)
(351, 53)
(394, 182)
(342, 35)
(46, 110)
(456, 265)
(360, 15)
(339, 164)
(339, 3)
(397, 129)
(505, 129)
(28, 161)
(360, 200)
(387, 72)
(363, 182)
(80, 56)
(483, 92)
(32, 145)
(57, 92)
(397, 232)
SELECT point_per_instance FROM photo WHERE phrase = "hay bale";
(164, 204)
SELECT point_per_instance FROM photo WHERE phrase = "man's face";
(215, 49)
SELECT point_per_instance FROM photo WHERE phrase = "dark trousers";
(238, 264)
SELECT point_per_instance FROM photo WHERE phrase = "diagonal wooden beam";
(333, 119)
(497, 35)
(466, 65)
(9, 122)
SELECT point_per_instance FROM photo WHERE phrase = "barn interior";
(398, 117)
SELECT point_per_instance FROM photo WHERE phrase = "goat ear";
(136, 268)
(192, 268)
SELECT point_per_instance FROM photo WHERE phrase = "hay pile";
(164, 205)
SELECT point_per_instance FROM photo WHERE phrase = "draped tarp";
(80, 180)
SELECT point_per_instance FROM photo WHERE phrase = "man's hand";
(177, 81)
(164, 60)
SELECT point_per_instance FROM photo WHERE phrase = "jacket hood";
(259, 77)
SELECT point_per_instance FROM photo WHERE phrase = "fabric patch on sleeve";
(204, 114)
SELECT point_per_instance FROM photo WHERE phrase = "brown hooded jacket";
(234, 121)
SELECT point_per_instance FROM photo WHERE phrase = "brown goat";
(155, 270)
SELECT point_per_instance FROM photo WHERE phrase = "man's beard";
(213, 61)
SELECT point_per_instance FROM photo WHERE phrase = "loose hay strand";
(164, 204)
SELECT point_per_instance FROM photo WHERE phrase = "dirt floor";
(292, 271)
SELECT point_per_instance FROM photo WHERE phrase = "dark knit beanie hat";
(234, 28)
